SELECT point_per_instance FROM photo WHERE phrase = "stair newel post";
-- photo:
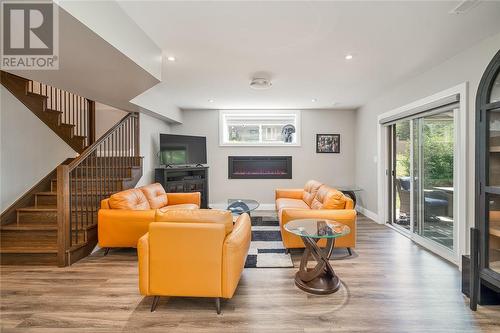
(91, 121)
(63, 214)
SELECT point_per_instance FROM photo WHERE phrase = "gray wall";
(29, 150)
(150, 129)
(468, 65)
(333, 169)
(106, 117)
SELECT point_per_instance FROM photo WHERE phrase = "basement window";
(259, 128)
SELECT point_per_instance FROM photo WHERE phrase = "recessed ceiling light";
(211, 100)
(314, 100)
(348, 56)
(171, 58)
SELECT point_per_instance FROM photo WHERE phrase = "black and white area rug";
(266, 248)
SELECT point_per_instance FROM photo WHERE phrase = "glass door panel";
(433, 159)
(495, 90)
(401, 145)
(494, 148)
(494, 232)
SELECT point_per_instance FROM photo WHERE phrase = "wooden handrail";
(105, 136)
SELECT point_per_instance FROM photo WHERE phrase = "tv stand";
(184, 180)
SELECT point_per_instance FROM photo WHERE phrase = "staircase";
(55, 222)
(70, 116)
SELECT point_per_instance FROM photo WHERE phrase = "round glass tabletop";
(314, 228)
(240, 206)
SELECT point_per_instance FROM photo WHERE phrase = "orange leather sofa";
(197, 253)
(126, 215)
(315, 201)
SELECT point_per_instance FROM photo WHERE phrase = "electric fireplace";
(260, 167)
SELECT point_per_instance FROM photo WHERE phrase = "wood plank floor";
(390, 285)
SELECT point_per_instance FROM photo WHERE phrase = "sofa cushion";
(291, 203)
(328, 198)
(156, 195)
(310, 190)
(196, 216)
(179, 206)
(133, 199)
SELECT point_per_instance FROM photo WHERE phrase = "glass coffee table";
(321, 279)
(240, 206)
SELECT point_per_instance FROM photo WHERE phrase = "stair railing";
(95, 174)
(75, 110)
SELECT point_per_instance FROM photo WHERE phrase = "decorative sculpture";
(287, 133)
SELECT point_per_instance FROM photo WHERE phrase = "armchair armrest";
(184, 198)
(143, 256)
(122, 227)
(105, 204)
(290, 193)
(234, 254)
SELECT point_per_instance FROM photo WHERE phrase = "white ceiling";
(302, 44)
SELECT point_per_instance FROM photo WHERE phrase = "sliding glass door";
(422, 183)
(401, 155)
(433, 160)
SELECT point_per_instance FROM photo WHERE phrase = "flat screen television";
(182, 149)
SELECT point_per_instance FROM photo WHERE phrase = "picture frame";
(328, 143)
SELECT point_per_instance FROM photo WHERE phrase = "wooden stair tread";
(51, 208)
(31, 224)
(29, 93)
(46, 193)
(27, 249)
(53, 111)
(34, 226)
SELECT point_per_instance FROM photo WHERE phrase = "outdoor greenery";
(437, 151)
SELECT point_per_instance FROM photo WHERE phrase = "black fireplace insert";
(260, 167)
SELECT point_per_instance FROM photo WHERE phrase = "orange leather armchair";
(315, 201)
(126, 215)
(196, 253)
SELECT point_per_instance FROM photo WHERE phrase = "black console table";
(185, 179)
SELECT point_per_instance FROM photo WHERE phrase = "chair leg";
(106, 251)
(350, 251)
(156, 299)
(217, 305)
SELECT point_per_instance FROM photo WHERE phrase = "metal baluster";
(107, 164)
(74, 209)
(120, 154)
(84, 189)
(113, 165)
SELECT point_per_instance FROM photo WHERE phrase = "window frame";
(223, 139)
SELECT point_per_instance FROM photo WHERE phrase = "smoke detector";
(464, 6)
(260, 83)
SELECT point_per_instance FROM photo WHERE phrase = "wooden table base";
(320, 280)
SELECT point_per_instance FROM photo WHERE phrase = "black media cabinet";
(184, 179)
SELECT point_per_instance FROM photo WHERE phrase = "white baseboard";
(371, 215)
(262, 206)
